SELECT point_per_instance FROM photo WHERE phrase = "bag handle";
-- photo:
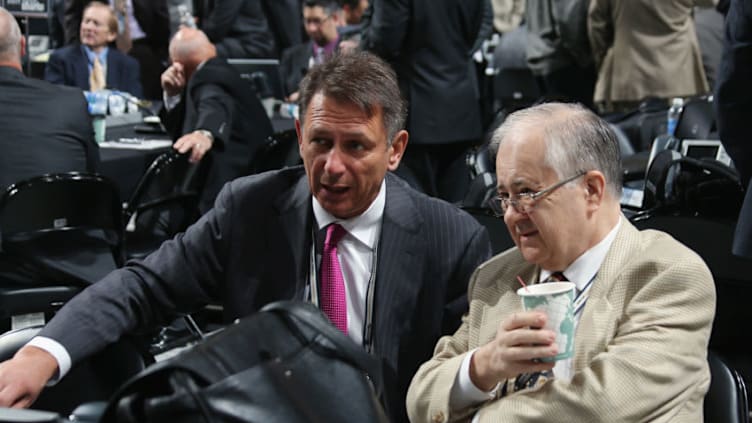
(311, 316)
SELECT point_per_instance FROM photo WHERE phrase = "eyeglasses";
(316, 21)
(524, 202)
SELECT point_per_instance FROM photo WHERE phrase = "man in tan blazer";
(645, 48)
(642, 334)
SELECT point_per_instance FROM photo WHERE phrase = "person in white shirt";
(641, 337)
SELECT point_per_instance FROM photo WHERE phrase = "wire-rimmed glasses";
(525, 201)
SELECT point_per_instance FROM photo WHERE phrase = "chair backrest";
(60, 202)
(166, 198)
(726, 400)
(697, 119)
(94, 379)
(497, 229)
(66, 228)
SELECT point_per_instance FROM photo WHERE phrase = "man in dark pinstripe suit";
(406, 258)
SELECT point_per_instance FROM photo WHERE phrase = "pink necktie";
(333, 301)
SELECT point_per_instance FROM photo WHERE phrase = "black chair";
(726, 400)
(164, 203)
(94, 379)
(60, 229)
(497, 229)
(711, 239)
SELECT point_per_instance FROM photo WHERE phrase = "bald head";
(190, 47)
(11, 41)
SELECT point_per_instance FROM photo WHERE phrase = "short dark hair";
(359, 78)
(329, 6)
(352, 3)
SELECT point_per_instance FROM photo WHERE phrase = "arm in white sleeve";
(56, 350)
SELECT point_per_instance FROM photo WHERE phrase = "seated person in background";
(46, 128)
(92, 65)
(641, 338)
(321, 19)
(208, 107)
(264, 239)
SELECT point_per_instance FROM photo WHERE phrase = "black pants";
(152, 64)
(573, 83)
(438, 170)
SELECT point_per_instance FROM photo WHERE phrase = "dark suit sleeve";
(477, 251)
(215, 108)
(132, 75)
(54, 71)
(181, 276)
(217, 25)
(734, 89)
(93, 161)
(387, 27)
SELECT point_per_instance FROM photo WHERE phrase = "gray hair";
(576, 140)
(358, 78)
(10, 37)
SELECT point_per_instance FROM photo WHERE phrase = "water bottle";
(186, 19)
(674, 112)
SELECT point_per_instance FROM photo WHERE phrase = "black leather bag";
(283, 364)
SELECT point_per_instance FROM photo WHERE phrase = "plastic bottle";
(674, 112)
(186, 19)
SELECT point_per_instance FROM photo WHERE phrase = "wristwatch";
(205, 133)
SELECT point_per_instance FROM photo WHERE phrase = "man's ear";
(595, 187)
(397, 149)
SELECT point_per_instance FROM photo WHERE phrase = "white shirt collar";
(584, 268)
(364, 227)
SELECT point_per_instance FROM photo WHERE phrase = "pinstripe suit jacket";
(253, 248)
(640, 347)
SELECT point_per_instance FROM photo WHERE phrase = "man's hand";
(197, 142)
(24, 376)
(173, 80)
(517, 344)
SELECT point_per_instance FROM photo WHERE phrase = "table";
(126, 167)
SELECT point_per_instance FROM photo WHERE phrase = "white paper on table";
(137, 144)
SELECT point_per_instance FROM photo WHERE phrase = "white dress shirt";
(464, 393)
(356, 253)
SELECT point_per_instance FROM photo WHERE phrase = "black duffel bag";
(286, 363)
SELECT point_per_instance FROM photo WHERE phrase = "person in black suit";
(147, 43)
(284, 22)
(262, 240)
(46, 128)
(429, 43)
(734, 109)
(321, 18)
(72, 65)
(238, 28)
(209, 108)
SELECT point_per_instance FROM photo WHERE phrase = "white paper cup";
(556, 300)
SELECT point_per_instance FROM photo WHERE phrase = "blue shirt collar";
(90, 55)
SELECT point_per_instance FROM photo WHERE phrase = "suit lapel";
(294, 207)
(594, 328)
(399, 273)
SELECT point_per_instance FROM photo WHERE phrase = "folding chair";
(61, 229)
(164, 203)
